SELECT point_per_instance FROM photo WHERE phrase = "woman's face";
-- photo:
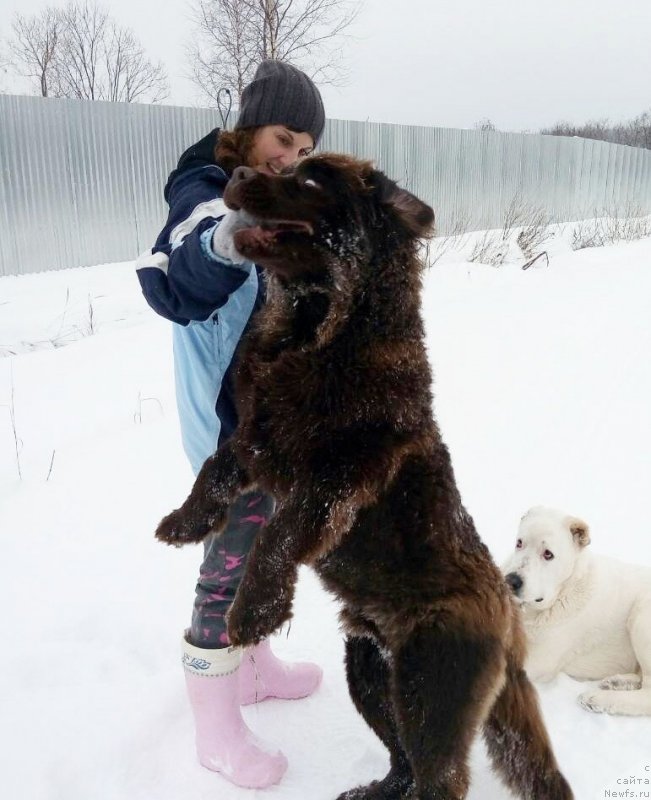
(276, 147)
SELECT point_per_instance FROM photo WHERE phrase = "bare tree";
(234, 36)
(635, 132)
(640, 130)
(4, 67)
(223, 55)
(130, 75)
(99, 60)
(485, 124)
(33, 46)
(80, 51)
(80, 57)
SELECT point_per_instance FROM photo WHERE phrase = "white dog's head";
(546, 551)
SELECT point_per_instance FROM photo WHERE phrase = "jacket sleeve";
(181, 278)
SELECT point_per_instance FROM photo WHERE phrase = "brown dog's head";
(329, 209)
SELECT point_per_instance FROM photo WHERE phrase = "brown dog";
(336, 422)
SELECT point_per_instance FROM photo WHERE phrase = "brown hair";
(233, 148)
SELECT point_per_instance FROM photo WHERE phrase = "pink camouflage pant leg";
(223, 568)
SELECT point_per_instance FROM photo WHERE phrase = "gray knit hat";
(281, 94)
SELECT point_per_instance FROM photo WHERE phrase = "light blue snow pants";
(203, 352)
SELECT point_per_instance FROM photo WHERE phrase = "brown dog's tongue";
(254, 237)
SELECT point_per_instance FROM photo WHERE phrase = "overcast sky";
(522, 63)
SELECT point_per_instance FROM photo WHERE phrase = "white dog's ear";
(580, 531)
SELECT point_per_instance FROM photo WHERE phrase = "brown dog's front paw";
(173, 530)
(249, 623)
(181, 527)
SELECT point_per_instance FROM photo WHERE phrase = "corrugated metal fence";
(81, 181)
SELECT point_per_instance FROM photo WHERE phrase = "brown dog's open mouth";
(267, 232)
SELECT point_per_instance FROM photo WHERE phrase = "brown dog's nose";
(242, 173)
(514, 581)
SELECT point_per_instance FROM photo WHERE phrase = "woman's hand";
(222, 239)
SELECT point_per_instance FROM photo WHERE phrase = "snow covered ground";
(543, 391)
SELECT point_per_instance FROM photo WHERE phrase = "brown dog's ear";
(580, 531)
(416, 216)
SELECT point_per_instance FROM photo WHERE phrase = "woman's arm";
(182, 278)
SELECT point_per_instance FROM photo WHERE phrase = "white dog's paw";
(600, 702)
(593, 701)
(622, 683)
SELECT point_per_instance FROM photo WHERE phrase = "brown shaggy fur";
(336, 422)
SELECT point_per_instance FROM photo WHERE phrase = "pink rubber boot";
(263, 675)
(224, 743)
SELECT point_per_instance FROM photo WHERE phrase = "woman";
(195, 278)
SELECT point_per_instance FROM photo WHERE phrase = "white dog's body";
(586, 615)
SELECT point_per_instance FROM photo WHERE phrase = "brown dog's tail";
(518, 744)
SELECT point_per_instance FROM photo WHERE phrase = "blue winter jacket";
(210, 300)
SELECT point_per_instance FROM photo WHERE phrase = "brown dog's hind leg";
(518, 744)
(442, 678)
(219, 482)
(369, 685)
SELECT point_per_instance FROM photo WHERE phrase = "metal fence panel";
(81, 182)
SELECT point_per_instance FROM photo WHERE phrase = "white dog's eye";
(548, 555)
(518, 544)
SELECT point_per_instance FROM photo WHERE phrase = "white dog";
(586, 615)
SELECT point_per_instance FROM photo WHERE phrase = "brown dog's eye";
(548, 555)
(312, 184)
(518, 544)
